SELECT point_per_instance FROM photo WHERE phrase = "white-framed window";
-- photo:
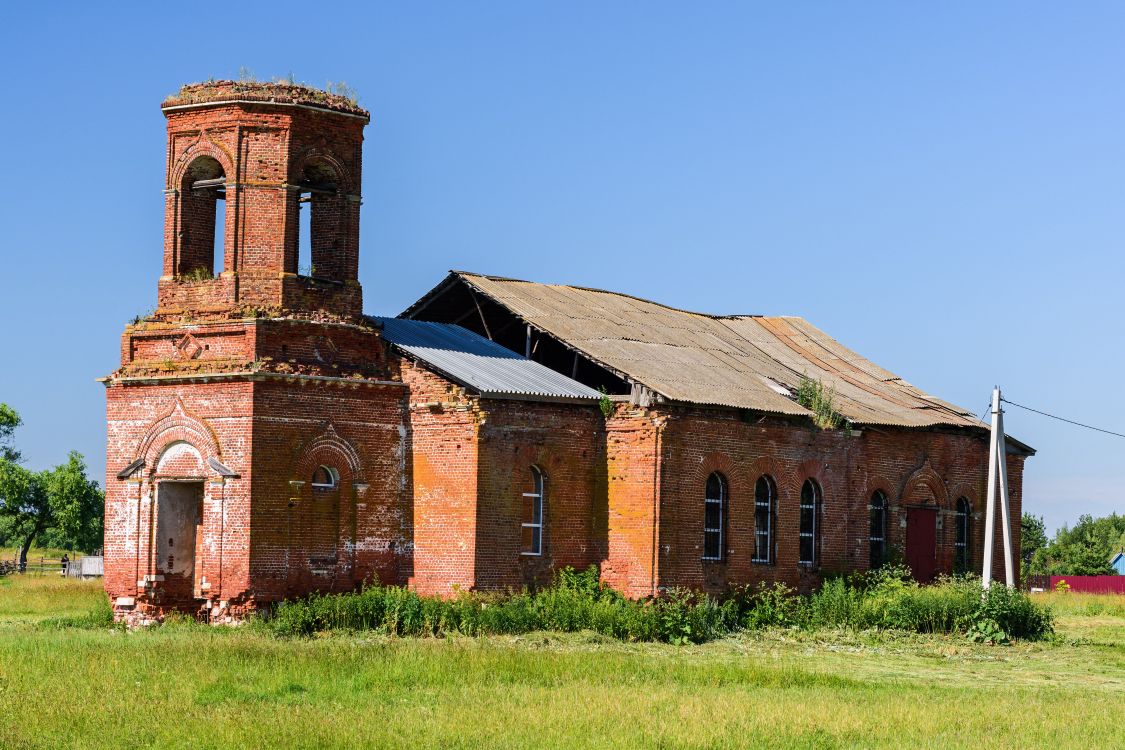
(878, 535)
(810, 522)
(714, 510)
(531, 530)
(961, 540)
(765, 498)
(325, 478)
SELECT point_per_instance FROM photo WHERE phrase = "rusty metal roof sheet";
(479, 364)
(737, 361)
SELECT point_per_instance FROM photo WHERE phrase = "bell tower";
(249, 165)
(254, 421)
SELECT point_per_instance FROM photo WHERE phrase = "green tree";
(1082, 550)
(61, 501)
(9, 421)
(1033, 537)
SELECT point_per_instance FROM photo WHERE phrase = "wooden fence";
(88, 566)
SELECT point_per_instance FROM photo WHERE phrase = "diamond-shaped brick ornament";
(188, 347)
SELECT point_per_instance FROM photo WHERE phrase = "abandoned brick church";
(266, 439)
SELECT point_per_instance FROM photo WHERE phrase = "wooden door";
(921, 543)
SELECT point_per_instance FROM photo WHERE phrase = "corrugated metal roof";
(735, 361)
(479, 364)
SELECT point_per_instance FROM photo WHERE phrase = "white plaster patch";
(179, 453)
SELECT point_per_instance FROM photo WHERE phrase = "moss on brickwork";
(339, 99)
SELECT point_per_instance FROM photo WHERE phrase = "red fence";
(1092, 584)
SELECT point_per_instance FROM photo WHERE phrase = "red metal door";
(921, 543)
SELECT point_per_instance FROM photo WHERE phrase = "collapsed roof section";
(630, 345)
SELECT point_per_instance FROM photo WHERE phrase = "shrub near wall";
(577, 601)
(889, 599)
(885, 600)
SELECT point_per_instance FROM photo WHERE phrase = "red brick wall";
(143, 421)
(440, 481)
(566, 442)
(317, 539)
(910, 467)
(634, 467)
(263, 150)
(470, 462)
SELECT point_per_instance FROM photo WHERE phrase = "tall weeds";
(576, 601)
(883, 600)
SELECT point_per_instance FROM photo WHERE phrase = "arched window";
(202, 220)
(714, 509)
(961, 540)
(320, 223)
(878, 535)
(325, 478)
(810, 522)
(765, 497)
(532, 525)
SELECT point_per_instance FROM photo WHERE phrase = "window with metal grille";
(878, 535)
(714, 508)
(765, 494)
(961, 540)
(532, 525)
(810, 512)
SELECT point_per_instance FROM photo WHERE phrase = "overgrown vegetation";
(605, 403)
(818, 398)
(248, 82)
(887, 599)
(199, 273)
(577, 601)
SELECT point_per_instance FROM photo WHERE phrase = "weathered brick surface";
(268, 153)
(929, 468)
(439, 484)
(241, 388)
(567, 444)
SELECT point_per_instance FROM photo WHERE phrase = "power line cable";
(1063, 419)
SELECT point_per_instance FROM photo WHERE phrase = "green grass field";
(191, 686)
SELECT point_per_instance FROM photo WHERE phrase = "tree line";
(1084, 549)
(57, 507)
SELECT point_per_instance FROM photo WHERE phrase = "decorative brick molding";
(925, 487)
(329, 449)
(771, 467)
(178, 425)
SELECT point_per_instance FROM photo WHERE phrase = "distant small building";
(1118, 562)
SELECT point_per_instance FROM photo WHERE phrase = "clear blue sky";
(940, 186)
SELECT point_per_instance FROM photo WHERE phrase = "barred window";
(878, 535)
(810, 522)
(765, 498)
(532, 525)
(961, 540)
(714, 510)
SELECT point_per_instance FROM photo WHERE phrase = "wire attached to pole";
(1063, 419)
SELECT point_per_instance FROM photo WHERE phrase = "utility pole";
(997, 477)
